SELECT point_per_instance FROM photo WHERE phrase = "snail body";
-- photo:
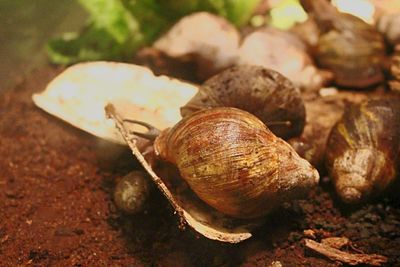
(265, 93)
(233, 162)
(363, 150)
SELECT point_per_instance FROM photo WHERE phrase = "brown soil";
(56, 208)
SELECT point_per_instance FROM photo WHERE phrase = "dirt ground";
(56, 206)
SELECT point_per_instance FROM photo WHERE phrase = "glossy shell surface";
(234, 163)
(364, 148)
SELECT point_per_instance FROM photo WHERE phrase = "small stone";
(371, 217)
(64, 231)
(294, 236)
(11, 194)
(38, 255)
(308, 208)
(365, 233)
(328, 91)
(276, 264)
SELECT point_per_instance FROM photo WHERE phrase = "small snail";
(364, 148)
(264, 93)
(233, 162)
(132, 191)
(352, 49)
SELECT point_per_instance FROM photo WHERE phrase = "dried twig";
(310, 233)
(335, 242)
(351, 259)
(316, 234)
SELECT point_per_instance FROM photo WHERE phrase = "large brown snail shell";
(352, 49)
(265, 93)
(290, 179)
(234, 163)
(364, 148)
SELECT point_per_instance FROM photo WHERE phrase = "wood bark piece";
(336, 242)
(345, 257)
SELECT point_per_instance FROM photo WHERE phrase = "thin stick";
(338, 255)
(336, 242)
(119, 122)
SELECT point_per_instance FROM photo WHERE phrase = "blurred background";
(25, 28)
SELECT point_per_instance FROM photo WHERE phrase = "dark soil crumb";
(56, 206)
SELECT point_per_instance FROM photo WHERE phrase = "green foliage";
(117, 28)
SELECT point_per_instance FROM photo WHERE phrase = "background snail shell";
(264, 93)
(323, 112)
(233, 162)
(352, 49)
(363, 149)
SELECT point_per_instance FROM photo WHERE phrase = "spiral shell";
(132, 191)
(355, 60)
(363, 150)
(233, 162)
(349, 47)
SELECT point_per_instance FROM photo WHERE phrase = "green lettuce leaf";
(117, 28)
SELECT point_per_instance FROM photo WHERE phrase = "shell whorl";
(364, 148)
(234, 163)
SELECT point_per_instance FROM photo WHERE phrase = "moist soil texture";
(56, 206)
